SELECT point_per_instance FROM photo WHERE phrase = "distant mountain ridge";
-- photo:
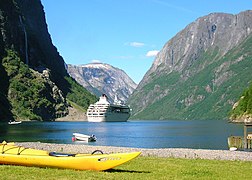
(200, 73)
(101, 78)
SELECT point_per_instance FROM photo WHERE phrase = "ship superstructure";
(103, 111)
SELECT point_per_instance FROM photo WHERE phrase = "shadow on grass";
(126, 171)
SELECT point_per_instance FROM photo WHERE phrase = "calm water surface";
(207, 134)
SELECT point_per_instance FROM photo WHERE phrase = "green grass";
(76, 106)
(141, 168)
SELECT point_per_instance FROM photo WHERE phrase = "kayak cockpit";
(56, 154)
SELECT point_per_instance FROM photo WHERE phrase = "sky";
(126, 34)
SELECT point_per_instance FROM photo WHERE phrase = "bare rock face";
(101, 78)
(217, 30)
(199, 72)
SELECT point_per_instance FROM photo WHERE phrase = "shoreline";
(159, 152)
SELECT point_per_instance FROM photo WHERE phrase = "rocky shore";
(162, 152)
(73, 115)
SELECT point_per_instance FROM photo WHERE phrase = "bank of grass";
(141, 168)
(76, 106)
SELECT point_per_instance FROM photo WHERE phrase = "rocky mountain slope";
(34, 81)
(242, 110)
(200, 73)
(101, 78)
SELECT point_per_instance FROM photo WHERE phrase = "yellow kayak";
(18, 155)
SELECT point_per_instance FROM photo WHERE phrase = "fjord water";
(203, 134)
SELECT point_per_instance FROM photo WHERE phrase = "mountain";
(34, 81)
(242, 110)
(101, 78)
(200, 73)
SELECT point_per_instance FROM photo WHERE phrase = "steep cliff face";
(101, 78)
(41, 51)
(33, 74)
(216, 31)
(198, 73)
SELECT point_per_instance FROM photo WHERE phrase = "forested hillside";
(242, 110)
(34, 82)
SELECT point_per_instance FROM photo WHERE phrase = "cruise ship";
(103, 111)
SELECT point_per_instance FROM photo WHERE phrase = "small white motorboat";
(83, 137)
(14, 122)
(233, 149)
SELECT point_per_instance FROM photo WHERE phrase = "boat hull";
(83, 137)
(16, 155)
(109, 117)
(14, 122)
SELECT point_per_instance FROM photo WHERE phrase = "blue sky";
(124, 33)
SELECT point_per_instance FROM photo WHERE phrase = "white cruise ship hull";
(109, 117)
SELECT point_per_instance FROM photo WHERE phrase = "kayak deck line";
(18, 147)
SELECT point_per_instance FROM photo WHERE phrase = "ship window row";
(96, 115)
(97, 110)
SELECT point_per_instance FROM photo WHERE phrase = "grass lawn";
(141, 168)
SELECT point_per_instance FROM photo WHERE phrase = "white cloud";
(152, 53)
(96, 61)
(136, 44)
(170, 5)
